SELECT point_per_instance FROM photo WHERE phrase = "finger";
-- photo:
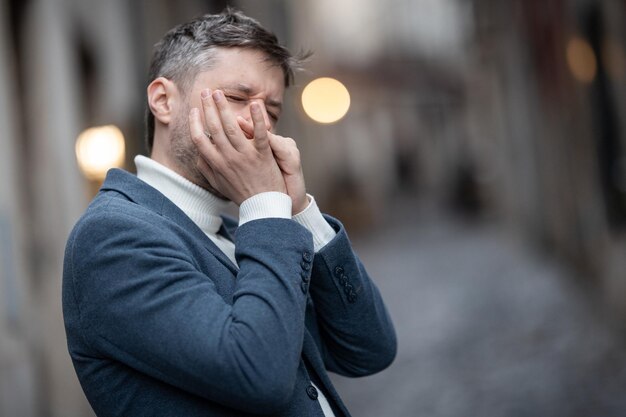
(246, 126)
(198, 137)
(266, 117)
(206, 171)
(229, 122)
(212, 121)
(260, 128)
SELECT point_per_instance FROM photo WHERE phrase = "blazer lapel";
(225, 232)
(171, 211)
(145, 195)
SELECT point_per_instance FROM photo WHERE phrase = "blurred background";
(480, 170)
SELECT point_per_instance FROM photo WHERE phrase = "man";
(171, 309)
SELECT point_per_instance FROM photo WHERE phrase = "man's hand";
(236, 167)
(288, 158)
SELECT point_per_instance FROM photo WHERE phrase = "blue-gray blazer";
(160, 322)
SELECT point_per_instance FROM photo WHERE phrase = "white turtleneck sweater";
(204, 209)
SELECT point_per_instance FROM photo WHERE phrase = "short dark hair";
(189, 48)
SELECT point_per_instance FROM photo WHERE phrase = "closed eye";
(236, 99)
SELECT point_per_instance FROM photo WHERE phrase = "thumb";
(278, 147)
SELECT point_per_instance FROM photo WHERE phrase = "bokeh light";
(325, 100)
(581, 60)
(98, 149)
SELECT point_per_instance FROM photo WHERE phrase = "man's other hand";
(287, 156)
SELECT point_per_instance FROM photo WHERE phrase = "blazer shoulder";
(113, 205)
(110, 216)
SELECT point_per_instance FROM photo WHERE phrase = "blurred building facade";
(546, 91)
(478, 105)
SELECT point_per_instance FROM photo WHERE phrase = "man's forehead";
(232, 63)
(246, 71)
(234, 56)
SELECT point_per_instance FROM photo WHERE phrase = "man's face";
(245, 76)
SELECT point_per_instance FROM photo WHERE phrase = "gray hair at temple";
(189, 48)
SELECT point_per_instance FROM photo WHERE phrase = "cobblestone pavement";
(486, 327)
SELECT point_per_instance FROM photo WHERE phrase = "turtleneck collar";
(202, 207)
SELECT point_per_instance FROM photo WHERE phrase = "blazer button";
(311, 392)
(338, 271)
(307, 256)
(305, 265)
(304, 286)
(351, 297)
(305, 276)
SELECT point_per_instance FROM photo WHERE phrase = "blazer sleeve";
(144, 302)
(356, 335)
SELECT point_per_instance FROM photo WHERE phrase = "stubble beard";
(186, 155)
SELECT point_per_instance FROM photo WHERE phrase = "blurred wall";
(65, 65)
(16, 366)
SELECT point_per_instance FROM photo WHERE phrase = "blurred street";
(486, 327)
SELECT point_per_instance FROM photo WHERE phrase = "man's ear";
(162, 99)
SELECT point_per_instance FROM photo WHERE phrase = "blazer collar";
(146, 196)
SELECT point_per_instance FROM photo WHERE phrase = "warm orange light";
(325, 100)
(98, 149)
(581, 60)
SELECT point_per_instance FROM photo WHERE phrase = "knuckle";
(294, 151)
(196, 137)
(212, 127)
(230, 130)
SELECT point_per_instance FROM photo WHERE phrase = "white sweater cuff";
(312, 219)
(271, 204)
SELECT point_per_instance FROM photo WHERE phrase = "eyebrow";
(247, 90)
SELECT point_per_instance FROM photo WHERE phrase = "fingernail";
(217, 95)
(255, 108)
(205, 93)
